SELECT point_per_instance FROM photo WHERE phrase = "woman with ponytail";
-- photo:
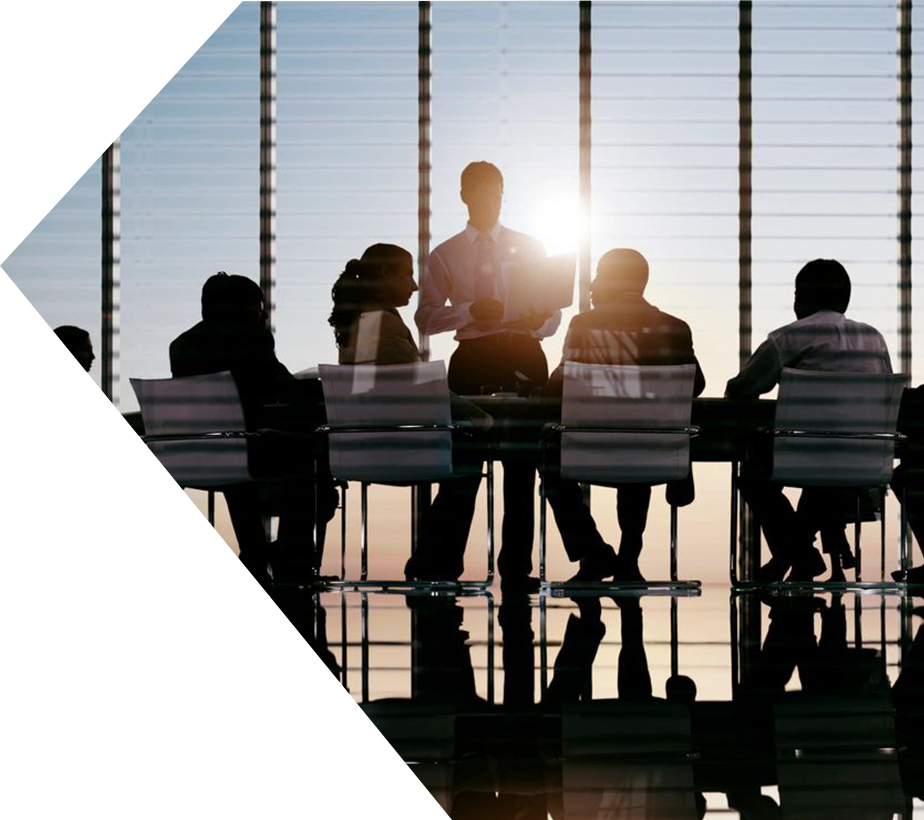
(369, 330)
(365, 318)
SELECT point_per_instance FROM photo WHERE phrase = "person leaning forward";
(467, 270)
(621, 329)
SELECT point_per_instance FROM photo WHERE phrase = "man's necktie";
(485, 275)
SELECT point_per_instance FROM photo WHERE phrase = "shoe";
(773, 571)
(629, 573)
(848, 561)
(913, 577)
(837, 575)
(520, 584)
(807, 566)
(600, 564)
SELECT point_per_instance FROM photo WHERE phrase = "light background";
(505, 88)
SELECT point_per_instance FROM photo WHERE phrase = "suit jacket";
(627, 332)
(250, 354)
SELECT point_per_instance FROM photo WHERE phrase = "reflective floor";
(652, 706)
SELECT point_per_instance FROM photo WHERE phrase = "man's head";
(619, 271)
(823, 284)
(78, 342)
(482, 191)
(233, 300)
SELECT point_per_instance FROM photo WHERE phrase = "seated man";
(622, 329)
(233, 336)
(821, 338)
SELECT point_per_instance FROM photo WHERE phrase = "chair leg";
(904, 559)
(490, 480)
(675, 641)
(882, 533)
(673, 543)
(343, 529)
(858, 572)
(211, 506)
(733, 545)
(364, 533)
(542, 530)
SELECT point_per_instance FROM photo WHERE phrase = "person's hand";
(486, 310)
(531, 321)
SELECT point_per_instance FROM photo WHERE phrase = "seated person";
(369, 330)
(821, 338)
(908, 479)
(622, 329)
(78, 342)
(233, 336)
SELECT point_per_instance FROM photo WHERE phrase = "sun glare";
(557, 223)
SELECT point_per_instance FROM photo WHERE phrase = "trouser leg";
(775, 515)
(632, 502)
(444, 531)
(516, 555)
(578, 529)
(244, 511)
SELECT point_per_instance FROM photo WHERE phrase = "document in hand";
(540, 285)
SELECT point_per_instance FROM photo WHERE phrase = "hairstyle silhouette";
(822, 284)
(621, 270)
(78, 342)
(361, 286)
(230, 298)
(480, 173)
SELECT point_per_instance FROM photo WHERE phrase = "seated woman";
(369, 330)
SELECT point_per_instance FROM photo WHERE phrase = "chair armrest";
(785, 433)
(564, 428)
(330, 429)
(230, 434)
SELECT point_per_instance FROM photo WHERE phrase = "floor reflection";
(794, 706)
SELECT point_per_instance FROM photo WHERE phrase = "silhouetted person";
(908, 479)
(233, 336)
(821, 338)
(369, 330)
(621, 329)
(367, 326)
(78, 342)
(467, 270)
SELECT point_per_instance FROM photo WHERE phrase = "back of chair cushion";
(193, 407)
(626, 397)
(845, 403)
(388, 396)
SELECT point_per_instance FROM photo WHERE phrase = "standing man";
(468, 272)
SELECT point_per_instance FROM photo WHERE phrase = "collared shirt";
(452, 277)
(826, 340)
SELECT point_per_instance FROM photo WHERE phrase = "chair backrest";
(626, 397)
(180, 414)
(377, 396)
(836, 403)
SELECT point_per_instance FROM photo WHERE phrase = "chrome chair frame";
(674, 583)
(857, 584)
(364, 581)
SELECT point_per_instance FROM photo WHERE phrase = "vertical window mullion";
(111, 239)
(268, 158)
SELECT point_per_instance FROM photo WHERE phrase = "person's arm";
(550, 325)
(433, 314)
(699, 381)
(759, 375)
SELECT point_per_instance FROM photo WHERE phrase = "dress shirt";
(826, 340)
(452, 276)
